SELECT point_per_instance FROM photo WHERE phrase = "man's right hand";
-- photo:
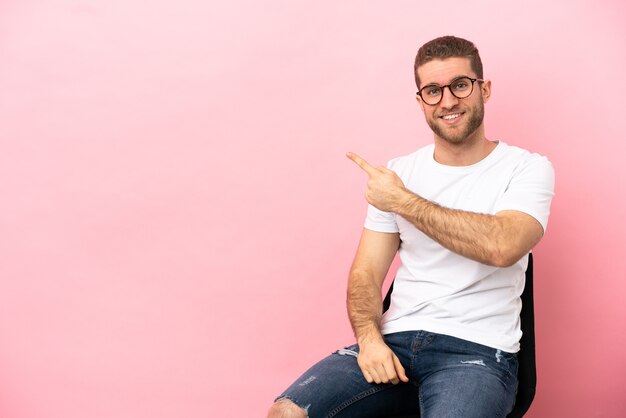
(379, 364)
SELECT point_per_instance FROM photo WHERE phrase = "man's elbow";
(505, 256)
(505, 261)
(516, 238)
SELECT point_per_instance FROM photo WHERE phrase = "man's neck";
(474, 149)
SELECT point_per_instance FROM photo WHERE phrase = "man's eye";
(433, 91)
(460, 85)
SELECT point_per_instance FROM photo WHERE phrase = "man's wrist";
(371, 335)
(409, 204)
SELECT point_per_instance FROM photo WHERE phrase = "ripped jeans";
(448, 378)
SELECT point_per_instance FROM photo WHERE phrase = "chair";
(527, 372)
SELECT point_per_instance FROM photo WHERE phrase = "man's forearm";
(364, 303)
(480, 237)
(371, 264)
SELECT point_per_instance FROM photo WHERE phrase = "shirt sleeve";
(379, 221)
(530, 190)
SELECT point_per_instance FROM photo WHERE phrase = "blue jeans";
(448, 378)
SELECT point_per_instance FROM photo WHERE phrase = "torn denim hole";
(477, 362)
(498, 355)
(347, 352)
(288, 398)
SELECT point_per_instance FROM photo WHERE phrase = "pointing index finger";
(361, 163)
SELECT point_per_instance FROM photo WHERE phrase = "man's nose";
(448, 100)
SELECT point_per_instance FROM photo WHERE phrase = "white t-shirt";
(439, 291)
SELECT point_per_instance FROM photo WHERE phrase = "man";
(463, 213)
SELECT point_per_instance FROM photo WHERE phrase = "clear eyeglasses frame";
(460, 87)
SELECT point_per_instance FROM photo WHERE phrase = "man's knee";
(284, 408)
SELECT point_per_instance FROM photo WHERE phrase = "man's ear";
(420, 101)
(485, 90)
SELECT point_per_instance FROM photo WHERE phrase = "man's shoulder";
(522, 166)
(522, 156)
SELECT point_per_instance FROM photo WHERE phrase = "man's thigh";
(461, 379)
(335, 387)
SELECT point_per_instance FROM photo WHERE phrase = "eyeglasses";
(460, 88)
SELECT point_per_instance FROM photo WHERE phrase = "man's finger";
(375, 376)
(390, 370)
(361, 163)
(368, 376)
(400, 369)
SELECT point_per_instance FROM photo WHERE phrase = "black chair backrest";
(527, 372)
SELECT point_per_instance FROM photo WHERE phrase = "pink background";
(177, 216)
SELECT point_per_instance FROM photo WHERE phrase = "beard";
(458, 134)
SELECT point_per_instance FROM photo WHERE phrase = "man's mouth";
(451, 116)
(452, 119)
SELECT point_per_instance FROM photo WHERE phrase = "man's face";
(453, 119)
